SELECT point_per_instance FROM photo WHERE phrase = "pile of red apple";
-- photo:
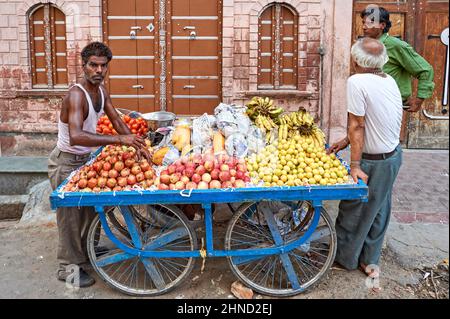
(204, 172)
(116, 168)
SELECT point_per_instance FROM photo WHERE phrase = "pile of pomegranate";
(116, 168)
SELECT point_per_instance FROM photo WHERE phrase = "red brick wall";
(28, 118)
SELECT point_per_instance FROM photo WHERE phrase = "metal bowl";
(159, 119)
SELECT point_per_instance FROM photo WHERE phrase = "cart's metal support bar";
(317, 235)
(146, 251)
(208, 196)
(135, 233)
(209, 229)
(287, 263)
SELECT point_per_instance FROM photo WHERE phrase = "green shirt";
(404, 63)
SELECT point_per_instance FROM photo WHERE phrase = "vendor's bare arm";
(75, 116)
(120, 126)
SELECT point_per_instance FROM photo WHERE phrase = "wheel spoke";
(145, 275)
(287, 273)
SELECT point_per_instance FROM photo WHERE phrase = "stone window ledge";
(42, 93)
(277, 93)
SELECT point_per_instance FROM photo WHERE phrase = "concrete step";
(19, 173)
(11, 206)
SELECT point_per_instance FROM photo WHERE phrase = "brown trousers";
(73, 223)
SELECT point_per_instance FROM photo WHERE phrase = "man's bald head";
(369, 53)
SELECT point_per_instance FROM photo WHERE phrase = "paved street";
(421, 189)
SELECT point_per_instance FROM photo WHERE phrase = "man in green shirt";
(404, 62)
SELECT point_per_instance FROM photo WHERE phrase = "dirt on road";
(28, 270)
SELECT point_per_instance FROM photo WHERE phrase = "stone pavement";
(418, 235)
(421, 189)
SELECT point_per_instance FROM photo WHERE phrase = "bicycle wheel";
(280, 274)
(142, 276)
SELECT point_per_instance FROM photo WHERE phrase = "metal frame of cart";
(149, 253)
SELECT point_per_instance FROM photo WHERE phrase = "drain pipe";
(322, 54)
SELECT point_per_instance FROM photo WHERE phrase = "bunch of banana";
(263, 106)
(301, 123)
(318, 137)
(300, 120)
(283, 130)
(271, 137)
(266, 124)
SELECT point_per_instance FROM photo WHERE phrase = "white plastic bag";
(231, 119)
(236, 145)
(255, 140)
(202, 133)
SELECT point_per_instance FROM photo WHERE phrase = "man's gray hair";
(369, 53)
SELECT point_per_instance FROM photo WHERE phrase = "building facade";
(184, 56)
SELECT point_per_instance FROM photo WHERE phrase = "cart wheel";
(135, 275)
(248, 229)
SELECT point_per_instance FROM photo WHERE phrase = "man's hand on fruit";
(336, 147)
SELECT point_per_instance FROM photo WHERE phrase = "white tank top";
(89, 125)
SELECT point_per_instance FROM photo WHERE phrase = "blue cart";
(279, 242)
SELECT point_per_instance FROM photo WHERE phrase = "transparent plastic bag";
(202, 133)
(236, 145)
(171, 156)
(231, 119)
(255, 140)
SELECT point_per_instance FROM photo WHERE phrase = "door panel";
(424, 132)
(129, 32)
(204, 48)
(203, 8)
(180, 8)
(205, 67)
(122, 86)
(180, 47)
(193, 31)
(181, 106)
(195, 51)
(178, 86)
(199, 106)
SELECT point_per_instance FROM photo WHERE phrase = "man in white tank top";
(374, 115)
(81, 108)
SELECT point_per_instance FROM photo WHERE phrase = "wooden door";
(413, 21)
(167, 54)
(194, 60)
(129, 30)
(425, 132)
